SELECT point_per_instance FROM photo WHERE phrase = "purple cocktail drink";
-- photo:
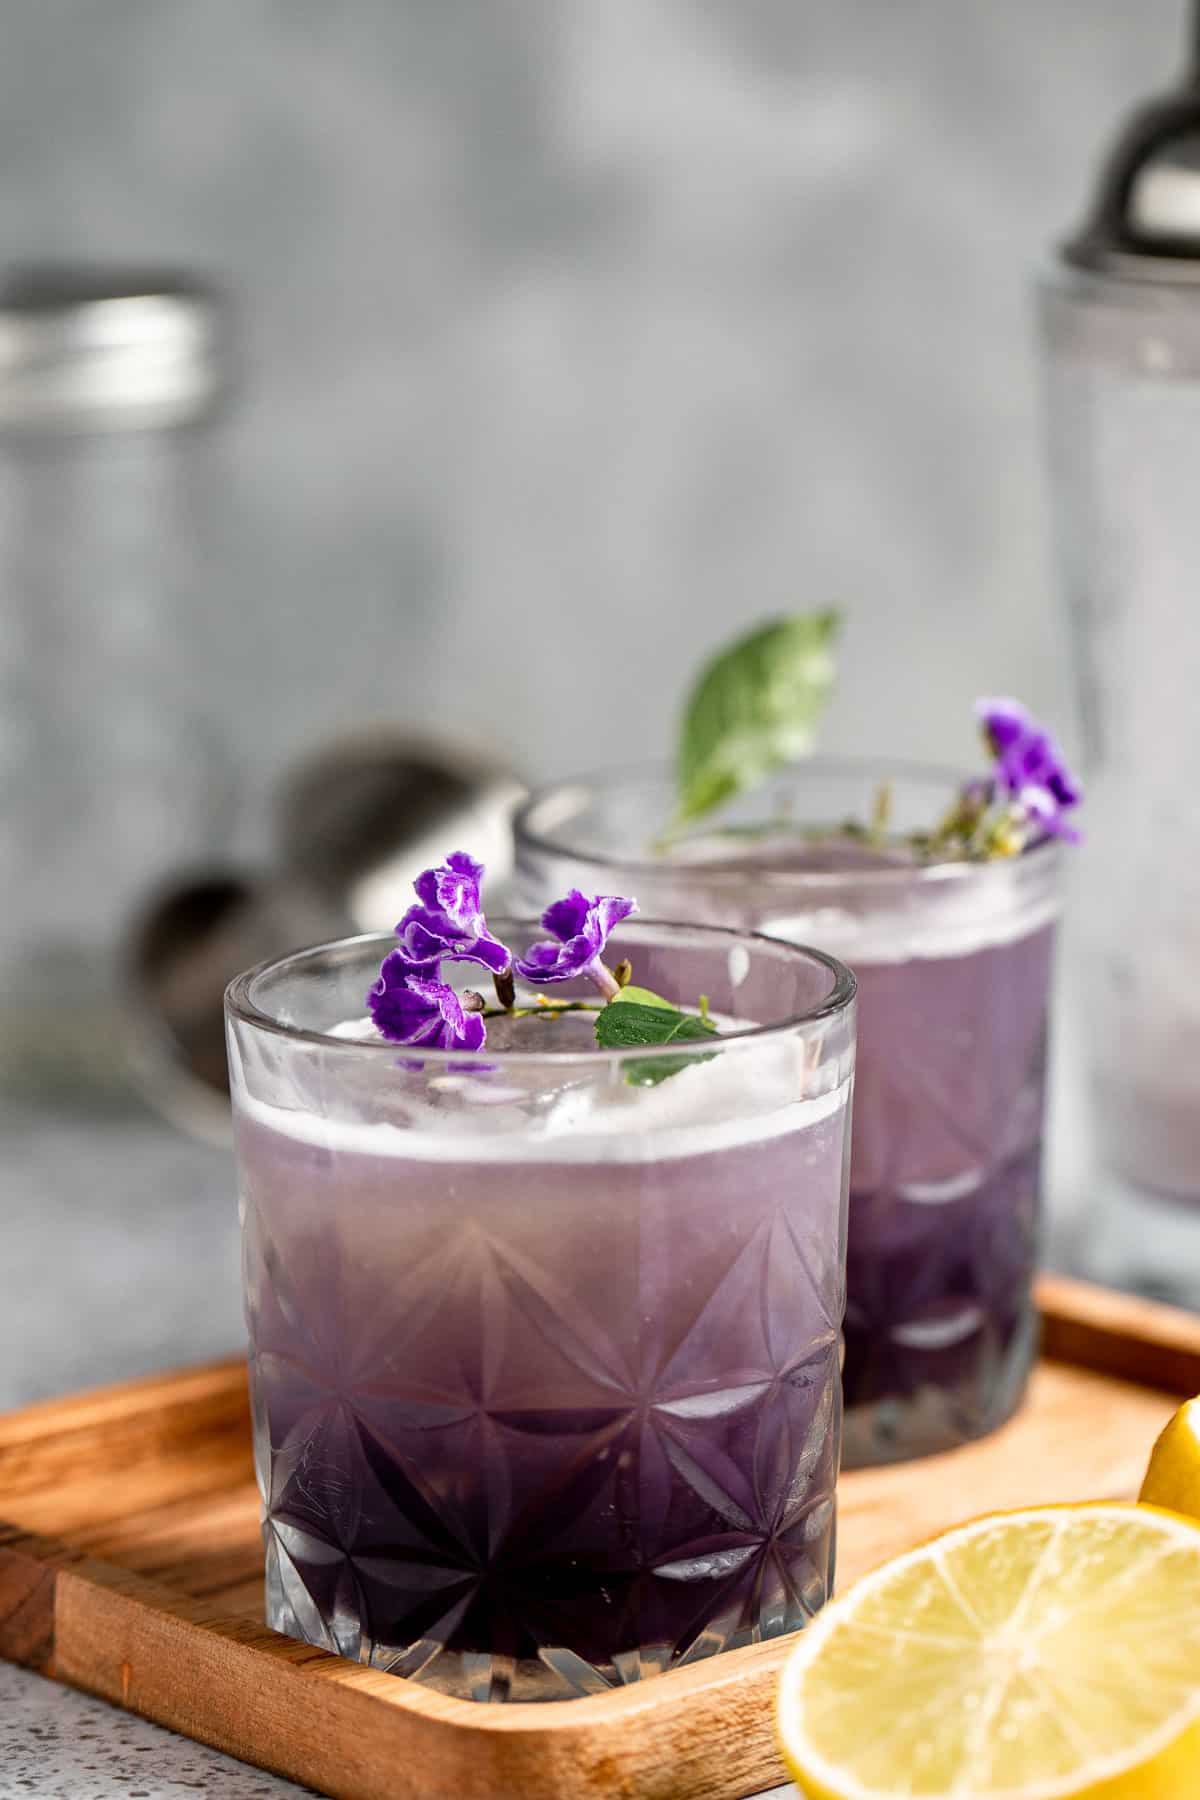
(945, 1182)
(953, 964)
(545, 1362)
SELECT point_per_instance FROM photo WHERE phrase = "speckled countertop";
(59, 1745)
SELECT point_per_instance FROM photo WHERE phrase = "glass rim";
(637, 863)
(240, 1006)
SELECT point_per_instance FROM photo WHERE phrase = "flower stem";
(553, 1007)
(881, 812)
(603, 978)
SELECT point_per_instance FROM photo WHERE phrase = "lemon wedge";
(1173, 1477)
(1052, 1654)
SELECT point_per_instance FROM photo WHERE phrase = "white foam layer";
(360, 1031)
(705, 1108)
(954, 928)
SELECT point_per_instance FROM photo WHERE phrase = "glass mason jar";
(953, 963)
(112, 774)
(544, 1341)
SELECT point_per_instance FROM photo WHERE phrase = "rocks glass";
(953, 965)
(544, 1340)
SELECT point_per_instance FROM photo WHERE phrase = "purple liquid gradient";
(944, 1194)
(531, 1428)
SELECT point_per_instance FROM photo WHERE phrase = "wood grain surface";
(131, 1566)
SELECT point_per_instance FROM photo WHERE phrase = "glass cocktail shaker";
(1120, 323)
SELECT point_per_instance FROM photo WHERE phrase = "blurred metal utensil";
(357, 823)
(352, 828)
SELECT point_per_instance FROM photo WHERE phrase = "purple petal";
(426, 888)
(426, 987)
(396, 1003)
(460, 1030)
(458, 890)
(539, 962)
(483, 949)
(557, 962)
(1042, 804)
(1005, 722)
(473, 1034)
(579, 950)
(1064, 788)
(462, 863)
(428, 935)
(1029, 765)
(567, 917)
(410, 1008)
(610, 910)
(453, 888)
(577, 955)
(421, 936)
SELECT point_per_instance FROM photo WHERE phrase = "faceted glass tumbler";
(953, 967)
(544, 1340)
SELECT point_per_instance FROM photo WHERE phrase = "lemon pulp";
(1052, 1654)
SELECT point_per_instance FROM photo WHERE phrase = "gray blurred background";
(576, 335)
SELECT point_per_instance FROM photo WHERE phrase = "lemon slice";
(1173, 1477)
(1052, 1654)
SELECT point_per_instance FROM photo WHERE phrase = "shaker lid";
(1144, 223)
(108, 348)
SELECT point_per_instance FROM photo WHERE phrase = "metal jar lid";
(104, 349)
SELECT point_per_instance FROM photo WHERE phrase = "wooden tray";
(130, 1566)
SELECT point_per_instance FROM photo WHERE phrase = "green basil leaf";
(623, 1024)
(755, 706)
(638, 996)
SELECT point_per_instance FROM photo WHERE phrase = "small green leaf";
(625, 1023)
(642, 997)
(755, 706)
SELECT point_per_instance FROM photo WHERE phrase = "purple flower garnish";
(410, 1008)
(447, 924)
(580, 930)
(411, 1004)
(1029, 765)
